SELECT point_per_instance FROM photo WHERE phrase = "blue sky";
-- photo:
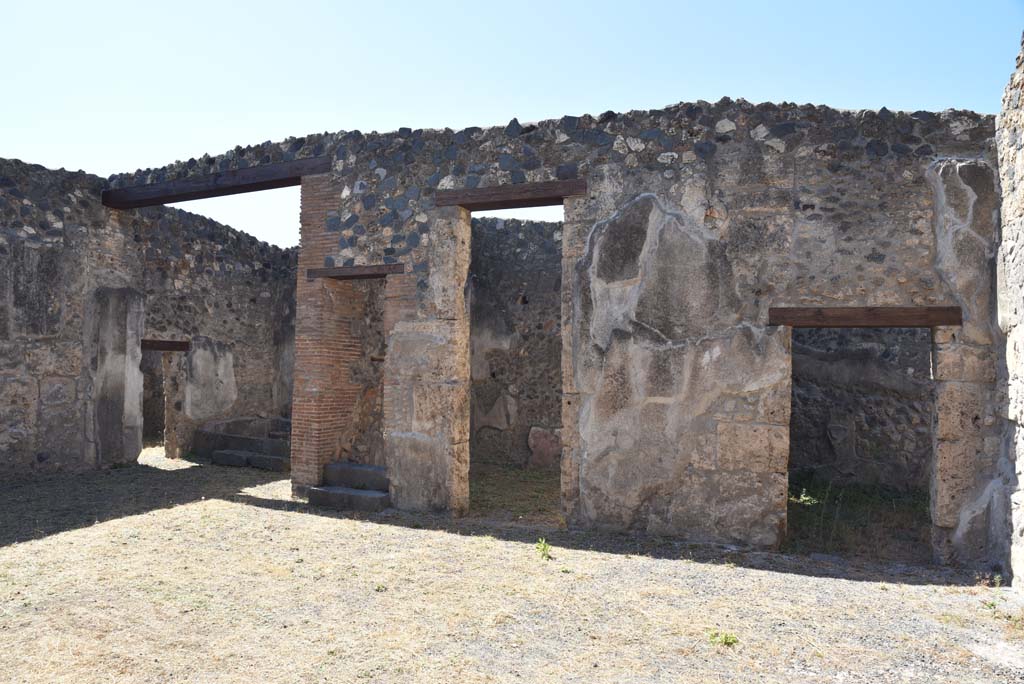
(115, 86)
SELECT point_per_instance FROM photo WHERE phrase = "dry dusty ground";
(183, 572)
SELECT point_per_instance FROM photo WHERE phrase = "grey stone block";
(348, 499)
(276, 464)
(356, 476)
(231, 457)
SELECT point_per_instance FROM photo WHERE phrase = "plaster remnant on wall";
(663, 367)
(210, 388)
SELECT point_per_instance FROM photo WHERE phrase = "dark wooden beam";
(262, 177)
(514, 196)
(355, 272)
(166, 345)
(865, 316)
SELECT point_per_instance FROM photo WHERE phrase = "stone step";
(277, 464)
(250, 459)
(278, 434)
(231, 457)
(278, 447)
(356, 476)
(349, 499)
(206, 442)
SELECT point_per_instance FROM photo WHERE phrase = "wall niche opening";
(861, 443)
(514, 292)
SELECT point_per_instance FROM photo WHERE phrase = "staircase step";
(232, 457)
(277, 447)
(278, 434)
(206, 442)
(356, 476)
(280, 425)
(348, 499)
(251, 459)
(277, 464)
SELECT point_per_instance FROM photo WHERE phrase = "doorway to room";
(515, 285)
(861, 442)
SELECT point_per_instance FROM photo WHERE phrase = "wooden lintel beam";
(261, 177)
(355, 272)
(865, 316)
(514, 196)
(166, 345)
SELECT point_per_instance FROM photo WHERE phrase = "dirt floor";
(509, 494)
(186, 572)
(857, 520)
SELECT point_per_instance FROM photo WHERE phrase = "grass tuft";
(727, 639)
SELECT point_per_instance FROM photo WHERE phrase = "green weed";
(719, 638)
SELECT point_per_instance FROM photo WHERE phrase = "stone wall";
(233, 296)
(698, 217)
(1010, 145)
(59, 252)
(81, 286)
(863, 406)
(515, 341)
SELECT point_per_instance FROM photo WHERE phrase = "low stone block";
(230, 457)
(276, 464)
(346, 499)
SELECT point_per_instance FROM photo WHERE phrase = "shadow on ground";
(39, 508)
(31, 509)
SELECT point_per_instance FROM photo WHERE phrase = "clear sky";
(113, 86)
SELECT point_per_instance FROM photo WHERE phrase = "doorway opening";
(153, 398)
(861, 443)
(161, 366)
(515, 286)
